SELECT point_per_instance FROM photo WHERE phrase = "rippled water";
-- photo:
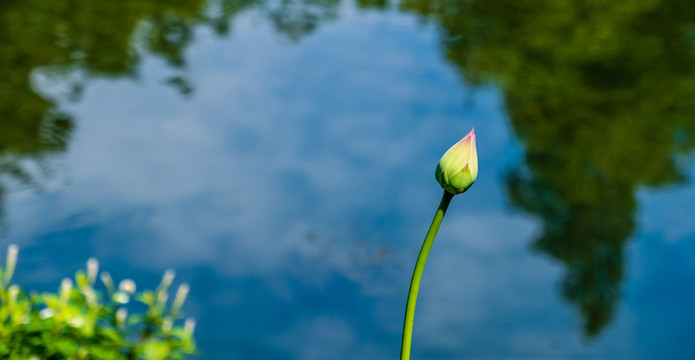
(280, 156)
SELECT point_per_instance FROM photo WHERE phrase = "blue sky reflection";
(293, 188)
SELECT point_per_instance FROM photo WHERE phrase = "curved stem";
(417, 275)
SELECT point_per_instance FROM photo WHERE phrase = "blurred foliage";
(71, 41)
(600, 93)
(298, 18)
(80, 322)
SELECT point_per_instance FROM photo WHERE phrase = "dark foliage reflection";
(79, 40)
(599, 93)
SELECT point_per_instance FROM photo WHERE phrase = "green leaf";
(155, 350)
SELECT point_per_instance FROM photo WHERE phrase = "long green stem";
(417, 275)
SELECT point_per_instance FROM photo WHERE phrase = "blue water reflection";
(292, 189)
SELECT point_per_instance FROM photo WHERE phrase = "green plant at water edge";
(81, 322)
(456, 172)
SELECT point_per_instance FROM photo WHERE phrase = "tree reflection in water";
(599, 93)
(79, 40)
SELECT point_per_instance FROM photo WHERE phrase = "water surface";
(280, 157)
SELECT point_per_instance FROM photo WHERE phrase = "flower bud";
(121, 316)
(10, 263)
(181, 294)
(127, 286)
(65, 288)
(92, 270)
(189, 326)
(46, 313)
(458, 168)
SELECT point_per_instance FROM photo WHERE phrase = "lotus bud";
(458, 168)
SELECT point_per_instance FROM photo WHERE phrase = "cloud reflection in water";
(292, 190)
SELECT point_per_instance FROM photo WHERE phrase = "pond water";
(280, 155)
